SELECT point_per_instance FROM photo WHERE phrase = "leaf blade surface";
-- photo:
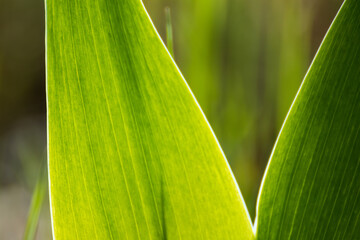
(310, 189)
(131, 154)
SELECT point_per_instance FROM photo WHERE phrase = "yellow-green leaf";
(131, 155)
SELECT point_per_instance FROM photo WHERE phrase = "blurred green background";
(244, 60)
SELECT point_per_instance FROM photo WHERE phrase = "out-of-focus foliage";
(36, 204)
(237, 47)
(244, 61)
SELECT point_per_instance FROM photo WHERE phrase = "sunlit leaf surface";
(312, 187)
(131, 156)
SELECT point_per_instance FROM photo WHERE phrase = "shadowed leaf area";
(311, 188)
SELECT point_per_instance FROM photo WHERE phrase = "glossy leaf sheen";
(131, 155)
(311, 188)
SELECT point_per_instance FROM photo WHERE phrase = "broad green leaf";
(311, 188)
(131, 155)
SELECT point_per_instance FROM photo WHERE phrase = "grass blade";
(35, 206)
(311, 188)
(169, 32)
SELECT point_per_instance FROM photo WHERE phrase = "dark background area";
(243, 59)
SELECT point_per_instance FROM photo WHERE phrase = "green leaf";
(311, 187)
(131, 155)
